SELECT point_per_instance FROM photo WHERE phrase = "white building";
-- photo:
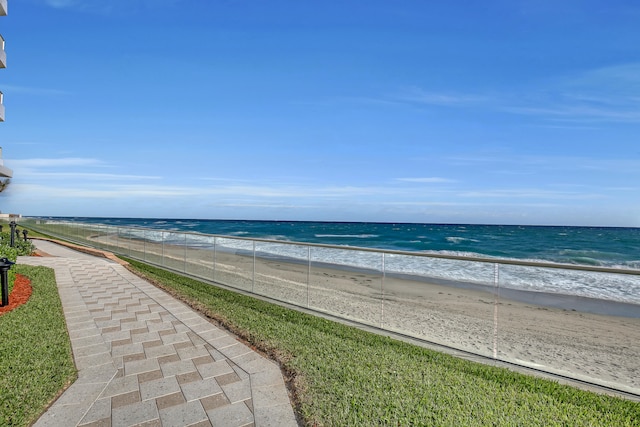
(4, 172)
(3, 55)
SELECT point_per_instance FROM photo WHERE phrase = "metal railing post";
(185, 253)
(496, 302)
(215, 248)
(308, 273)
(382, 291)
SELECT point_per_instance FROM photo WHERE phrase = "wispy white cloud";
(56, 162)
(244, 194)
(90, 193)
(108, 6)
(523, 164)
(89, 176)
(444, 99)
(30, 90)
(62, 3)
(427, 180)
(525, 193)
(606, 94)
(601, 95)
(255, 192)
(619, 77)
(73, 168)
(580, 112)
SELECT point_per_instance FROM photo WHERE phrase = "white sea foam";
(456, 239)
(600, 285)
(347, 236)
(617, 287)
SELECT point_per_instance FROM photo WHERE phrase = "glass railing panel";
(103, 241)
(234, 263)
(200, 255)
(121, 245)
(81, 232)
(124, 241)
(174, 250)
(100, 236)
(97, 236)
(91, 234)
(63, 230)
(109, 241)
(581, 324)
(136, 239)
(68, 231)
(153, 246)
(75, 231)
(60, 229)
(448, 302)
(282, 272)
(346, 283)
(53, 229)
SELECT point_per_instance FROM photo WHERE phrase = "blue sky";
(511, 112)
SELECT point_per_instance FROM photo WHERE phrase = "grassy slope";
(345, 376)
(35, 352)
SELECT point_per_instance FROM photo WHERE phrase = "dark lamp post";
(24, 233)
(5, 265)
(12, 224)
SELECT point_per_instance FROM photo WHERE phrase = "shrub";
(20, 247)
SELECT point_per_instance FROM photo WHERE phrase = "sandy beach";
(591, 347)
(598, 348)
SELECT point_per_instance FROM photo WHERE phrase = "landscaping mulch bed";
(19, 295)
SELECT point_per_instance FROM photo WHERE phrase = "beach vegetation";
(341, 375)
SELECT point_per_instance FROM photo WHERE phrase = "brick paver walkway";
(145, 358)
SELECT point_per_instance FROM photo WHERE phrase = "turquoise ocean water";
(598, 246)
(591, 246)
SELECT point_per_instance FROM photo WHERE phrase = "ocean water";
(589, 246)
(595, 246)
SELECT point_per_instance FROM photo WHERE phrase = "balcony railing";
(3, 54)
(499, 309)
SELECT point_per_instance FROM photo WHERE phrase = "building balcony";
(4, 171)
(3, 7)
(3, 54)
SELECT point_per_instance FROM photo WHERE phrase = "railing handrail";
(481, 259)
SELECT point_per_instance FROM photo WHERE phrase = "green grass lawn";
(35, 353)
(345, 376)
